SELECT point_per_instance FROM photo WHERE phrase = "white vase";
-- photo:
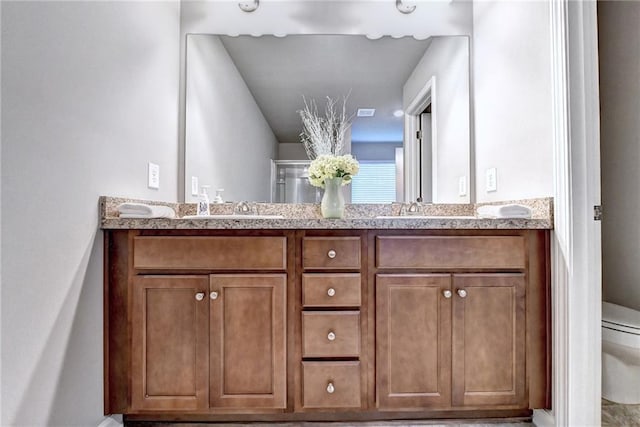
(332, 205)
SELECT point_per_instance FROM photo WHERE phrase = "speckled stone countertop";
(307, 216)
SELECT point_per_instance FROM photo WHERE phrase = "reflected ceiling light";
(250, 6)
(398, 113)
(403, 8)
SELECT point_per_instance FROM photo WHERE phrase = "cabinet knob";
(331, 292)
(330, 388)
(331, 254)
(213, 295)
(331, 336)
(200, 296)
(447, 293)
(462, 293)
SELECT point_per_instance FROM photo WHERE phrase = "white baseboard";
(543, 418)
(114, 421)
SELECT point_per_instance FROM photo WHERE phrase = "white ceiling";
(280, 71)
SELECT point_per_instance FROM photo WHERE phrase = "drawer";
(331, 334)
(210, 252)
(331, 253)
(450, 252)
(331, 290)
(331, 384)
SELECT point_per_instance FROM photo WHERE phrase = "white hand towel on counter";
(140, 210)
(504, 211)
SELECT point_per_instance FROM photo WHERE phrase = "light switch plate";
(462, 186)
(194, 186)
(153, 176)
(491, 180)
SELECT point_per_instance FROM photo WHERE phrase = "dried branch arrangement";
(324, 135)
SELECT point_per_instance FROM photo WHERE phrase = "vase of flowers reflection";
(331, 173)
(323, 137)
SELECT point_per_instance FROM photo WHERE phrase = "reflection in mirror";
(243, 94)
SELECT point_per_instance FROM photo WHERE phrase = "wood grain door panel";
(489, 340)
(170, 343)
(344, 378)
(331, 290)
(450, 252)
(344, 327)
(248, 345)
(413, 341)
(331, 253)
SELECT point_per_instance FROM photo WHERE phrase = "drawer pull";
(462, 293)
(331, 292)
(331, 254)
(330, 388)
(213, 295)
(331, 336)
(447, 293)
(200, 296)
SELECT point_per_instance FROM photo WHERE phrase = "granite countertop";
(307, 216)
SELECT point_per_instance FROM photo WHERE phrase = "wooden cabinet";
(200, 341)
(248, 341)
(331, 356)
(170, 343)
(488, 325)
(325, 325)
(413, 341)
(456, 338)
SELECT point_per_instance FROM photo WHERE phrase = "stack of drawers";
(331, 298)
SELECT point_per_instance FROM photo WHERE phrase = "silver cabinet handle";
(331, 336)
(330, 388)
(331, 254)
(331, 292)
(462, 293)
(200, 296)
(447, 293)
(213, 295)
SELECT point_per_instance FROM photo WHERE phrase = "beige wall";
(512, 98)
(229, 143)
(446, 59)
(89, 96)
(619, 34)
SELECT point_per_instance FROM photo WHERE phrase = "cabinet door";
(170, 343)
(248, 345)
(413, 341)
(489, 340)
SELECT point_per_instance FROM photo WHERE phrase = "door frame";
(412, 161)
(576, 277)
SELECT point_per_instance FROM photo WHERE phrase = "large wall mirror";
(243, 95)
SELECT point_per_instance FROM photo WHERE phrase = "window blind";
(374, 183)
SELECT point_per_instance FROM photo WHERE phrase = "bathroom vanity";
(265, 322)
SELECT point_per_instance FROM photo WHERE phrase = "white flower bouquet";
(330, 166)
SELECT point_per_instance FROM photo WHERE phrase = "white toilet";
(620, 353)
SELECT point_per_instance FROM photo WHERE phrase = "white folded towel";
(504, 211)
(140, 210)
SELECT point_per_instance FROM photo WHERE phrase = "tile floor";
(613, 415)
(617, 415)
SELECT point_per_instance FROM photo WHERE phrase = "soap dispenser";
(203, 202)
(218, 198)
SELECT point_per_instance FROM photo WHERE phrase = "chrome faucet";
(244, 208)
(412, 209)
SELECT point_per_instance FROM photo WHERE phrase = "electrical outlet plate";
(194, 186)
(491, 180)
(462, 186)
(153, 176)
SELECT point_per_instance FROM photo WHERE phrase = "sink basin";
(222, 216)
(424, 217)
